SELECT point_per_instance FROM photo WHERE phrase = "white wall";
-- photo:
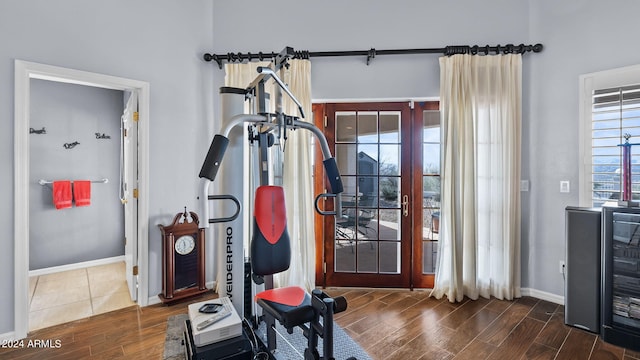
(159, 42)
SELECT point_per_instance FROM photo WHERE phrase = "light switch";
(564, 186)
(524, 185)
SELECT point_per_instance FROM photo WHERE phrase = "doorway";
(388, 156)
(135, 221)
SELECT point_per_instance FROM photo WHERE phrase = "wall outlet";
(561, 266)
(564, 186)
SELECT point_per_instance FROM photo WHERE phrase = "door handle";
(405, 205)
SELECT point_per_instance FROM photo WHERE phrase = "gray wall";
(361, 25)
(71, 113)
(579, 37)
(160, 42)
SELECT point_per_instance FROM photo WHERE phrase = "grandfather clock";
(183, 258)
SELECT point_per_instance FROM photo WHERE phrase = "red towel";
(62, 194)
(82, 192)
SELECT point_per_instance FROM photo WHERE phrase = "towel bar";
(101, 181)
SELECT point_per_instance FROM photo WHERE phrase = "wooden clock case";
(183, 276)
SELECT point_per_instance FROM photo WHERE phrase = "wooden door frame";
(319, 115)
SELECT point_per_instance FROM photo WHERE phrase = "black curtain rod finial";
(213, 57)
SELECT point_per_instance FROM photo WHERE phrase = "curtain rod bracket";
(371, 55)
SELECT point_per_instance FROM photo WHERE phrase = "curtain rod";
(370, 54)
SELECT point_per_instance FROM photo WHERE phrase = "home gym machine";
(241, 280)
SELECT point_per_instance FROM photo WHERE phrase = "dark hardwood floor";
(388, 324)
(400, 324)
(131, 333)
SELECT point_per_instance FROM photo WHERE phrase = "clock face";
(185, 244)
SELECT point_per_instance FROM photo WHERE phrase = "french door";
(383, 236)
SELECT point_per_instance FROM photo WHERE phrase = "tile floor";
(76, 294)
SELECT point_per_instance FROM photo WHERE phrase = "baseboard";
(80, 265)
(543, 295)
(538, 294)
(153, 300)
(7, 336)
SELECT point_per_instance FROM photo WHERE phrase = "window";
(615, 112)
(609, 108)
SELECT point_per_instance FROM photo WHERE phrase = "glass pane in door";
(389, 127)
(430, 189)
(346, 126)
(390, 259)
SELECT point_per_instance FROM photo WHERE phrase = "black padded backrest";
(270, 249)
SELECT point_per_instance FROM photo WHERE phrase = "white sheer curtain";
(241, 75)
(298, 182)
(297, 171)
(479, 247)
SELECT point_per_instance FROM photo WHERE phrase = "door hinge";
(135, 193)
(125, 132)
(135, 270)
(136, 116)
(324, 267)
(325, 121)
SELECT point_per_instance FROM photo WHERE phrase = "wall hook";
(39, 132)
(70, 145)
(102, 136)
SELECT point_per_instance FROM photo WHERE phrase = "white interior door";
(128, 188)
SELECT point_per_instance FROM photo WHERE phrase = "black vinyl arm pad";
(214, 157)
(331, 167)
